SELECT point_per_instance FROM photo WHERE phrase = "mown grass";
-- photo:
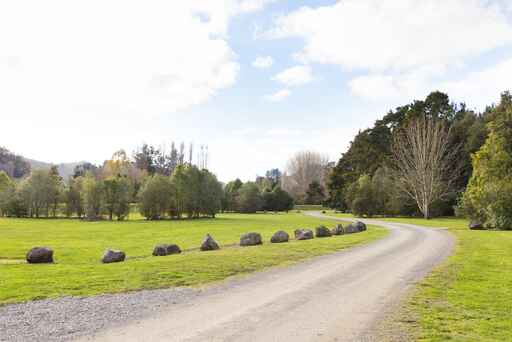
(79, 245)
(469, 297)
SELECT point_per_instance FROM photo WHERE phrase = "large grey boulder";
(361, 226)
(111, 256)
(250, 239)
(209, 244)
(160, 250)
(165, 249)
(338, 230)
(476, 225)
(304, 234)
(280, 236)
(40, 255)
(322, 231)
(173, 249)
(351, 229)
(355, 227)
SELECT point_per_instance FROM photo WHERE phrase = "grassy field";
(469, 297)
(79, 245)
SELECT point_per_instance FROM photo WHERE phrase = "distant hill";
(65, 169)
(17, 166)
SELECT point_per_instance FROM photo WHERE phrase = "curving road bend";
(338, 297)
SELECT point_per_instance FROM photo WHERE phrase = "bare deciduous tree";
(304, 168)
(425, 163)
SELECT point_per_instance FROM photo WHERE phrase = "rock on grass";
(251, 239)
(209, 244)
(111, 256)
(322, 231)
(338, 230)
(166, 249)
(40, 255)
(303, 234)
(279, 237)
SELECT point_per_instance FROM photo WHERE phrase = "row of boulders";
(253, 239)
(40, 255)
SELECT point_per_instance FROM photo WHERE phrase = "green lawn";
(79, 245)
(469, 297)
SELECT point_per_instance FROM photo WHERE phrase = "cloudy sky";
(256, 80)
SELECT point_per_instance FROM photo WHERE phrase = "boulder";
(111, 255)
(40, 255)
(304, 234)
(322, 231)
(361, 226)
(338, 230)
(297, 232)
(351, 228)
(476, 225)
(250, 239)
(356, 227)
(280, 236)
(165, 249)
(173, 249)
(160, 250)
(209, 244)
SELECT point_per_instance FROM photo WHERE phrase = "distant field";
(469, 297)
(79, 245)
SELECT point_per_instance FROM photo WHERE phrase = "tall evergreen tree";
(488, 197)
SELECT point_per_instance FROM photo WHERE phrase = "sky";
(255, 80)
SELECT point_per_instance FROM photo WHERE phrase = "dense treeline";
(265, 194)
(365, 180)
(161, 185)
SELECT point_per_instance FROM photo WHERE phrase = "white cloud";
(253, 5)
(99, 65)
(278, 96)
(263, 62)
(295, 76)
(476, 88)
(116, 56)
(375, 87)
(396, 34)
(403, 49)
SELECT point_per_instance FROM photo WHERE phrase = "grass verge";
(79, 245)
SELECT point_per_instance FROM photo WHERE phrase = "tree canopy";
(371, 148)
(488, 197)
